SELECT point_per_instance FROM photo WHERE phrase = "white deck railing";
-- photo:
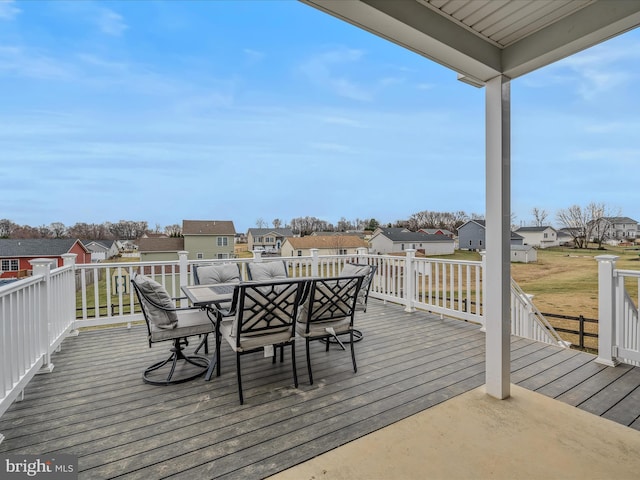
(37, 313)
(619, 326)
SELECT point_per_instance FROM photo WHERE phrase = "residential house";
(203, 239)
(159, 249)
(437, 231)
(101, 249)
(623, 229)
(471, 236)
(267, 239)
(540, 237)
(397, 240)
(326, 244)
(15, 254)
(208, 238)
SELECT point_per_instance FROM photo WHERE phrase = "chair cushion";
(352, 270)
(211, 274)
(190, 322)
(156, 293)
(249, 342)
(265, 271)
(317, 329)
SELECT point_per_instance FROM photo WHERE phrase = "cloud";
(110, 22)
(321, 71)
(31, 64)
(8, 10)
(599, 69)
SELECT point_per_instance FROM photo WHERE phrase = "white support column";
(69, 259)
(42, 266)
(498, 237)
(361, 252)
(315, 262)
(482, 296)
(606, 310)
(409, 284)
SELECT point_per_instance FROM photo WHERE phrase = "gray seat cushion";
(352, 270)
(156, 293)
(211, 274)
(190, 322)
(265, 271)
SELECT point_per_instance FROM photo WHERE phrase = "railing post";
(409, 284)
(315, 262)
(480, 294)
(183, 262)
(606, 310)
(69, 259)
(530, 315)
(257, 255)
(42, 266)
(361, 252)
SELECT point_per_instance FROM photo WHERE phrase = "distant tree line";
(584, 224)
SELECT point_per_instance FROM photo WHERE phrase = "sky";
(253, 110)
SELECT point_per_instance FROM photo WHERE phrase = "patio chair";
(266, 271)
(212, 275)
(368, 271)
(264, 315)
(166, 322)
(351, 269)
(327, 312)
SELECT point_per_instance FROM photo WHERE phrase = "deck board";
(95, 405)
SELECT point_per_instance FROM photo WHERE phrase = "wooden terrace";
(95, 405)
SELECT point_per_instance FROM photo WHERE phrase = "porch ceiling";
(481, 39)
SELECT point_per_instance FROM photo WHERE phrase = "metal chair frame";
(179, 343)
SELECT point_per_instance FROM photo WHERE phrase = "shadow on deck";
(94, 404)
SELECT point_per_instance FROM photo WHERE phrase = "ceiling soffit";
(481, 39)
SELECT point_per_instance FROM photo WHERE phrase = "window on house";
(480, 242)
(402, 246)
(10, 265)
(223, 241)
(546, 235)
(342, 251)
(299, 253)
(223, 255)
(469, 242)
(199, 255)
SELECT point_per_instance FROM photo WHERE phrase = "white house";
(395, 240)
(541, 237)
(326, 245)
(101, 249)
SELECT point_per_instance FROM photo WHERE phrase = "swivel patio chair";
(166, 322)
(264, 316)
(327, 312)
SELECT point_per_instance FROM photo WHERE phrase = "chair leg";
(239, 378)
(293, 361)
(309, 364)
(177, 354)
(353, 352)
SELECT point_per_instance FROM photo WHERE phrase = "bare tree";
(599, 225)
(260, 223)
(174, 230)
(6, 228)
(575, 220)
(539, 216)
(277, 223)
(58, 230)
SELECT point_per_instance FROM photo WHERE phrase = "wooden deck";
(95, 405)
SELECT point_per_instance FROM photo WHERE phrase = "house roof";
(481, 40)
(168, 244)
(434, 231)
(482, 223)
(33, 247)
(279, 232)
(327, 241)
(619, 219)
(404, 236)
(534, 229)
(208, 227)
(522, 247)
